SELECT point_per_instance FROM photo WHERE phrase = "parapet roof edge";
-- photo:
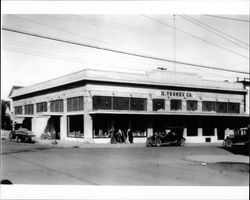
(82, 75)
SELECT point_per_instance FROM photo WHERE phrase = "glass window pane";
(192, 105)
(101, 102)
(138, 104)
(121, 103)
(221, 107)
(233, 107)
(175, 104)
(158, 104)
(208, 106)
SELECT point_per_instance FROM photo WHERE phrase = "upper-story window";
(138, 104)
(18, 110)
(221, 107)
(175, 104)
(192, 105)
(233, 107)
(158, 104)
(41, 107)
(29, 109)
(120, 103)
(101, 102)
(56, 106)
(75, 104)
(208, 106)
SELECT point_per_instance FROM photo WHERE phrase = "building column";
(88, 122)
(216, 133)
(167, 104)
(149, 104)
(185, 132)
(199, 109)
(199, 132)
(63, 127)
(150, 127)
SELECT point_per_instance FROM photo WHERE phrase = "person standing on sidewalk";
(112, 136)
(130, 136)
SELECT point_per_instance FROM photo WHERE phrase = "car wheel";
(158, 142)
(16, 139)
(182, 142)
(149, 143)
(228, 143)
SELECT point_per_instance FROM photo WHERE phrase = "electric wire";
(201, 39)
(117, 51)
(234, 38)
(229, 18)
(200, 25)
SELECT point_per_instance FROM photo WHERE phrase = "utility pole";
(174, 45)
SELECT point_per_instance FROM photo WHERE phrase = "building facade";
(85, 105)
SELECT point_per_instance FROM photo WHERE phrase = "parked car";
(240, 136)
(169, 137)
(21, 134)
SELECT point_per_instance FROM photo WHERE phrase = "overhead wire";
(201, 39)
(223, 33)
(204, 27)
(228, 18)
(116, 51)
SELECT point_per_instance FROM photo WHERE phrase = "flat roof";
(156, 77)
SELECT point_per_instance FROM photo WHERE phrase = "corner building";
(85, 105)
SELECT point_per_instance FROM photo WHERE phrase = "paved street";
(24, 163)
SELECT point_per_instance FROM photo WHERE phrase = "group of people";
(120, 136)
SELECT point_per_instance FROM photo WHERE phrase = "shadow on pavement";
(238, 149)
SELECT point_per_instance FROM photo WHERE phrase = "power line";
(200, 24)
(118, 51)
(158, 21)
(222, 32)
(228, 18)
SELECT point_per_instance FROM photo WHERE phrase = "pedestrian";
(130, 136)
(112, 136)
(119, 136)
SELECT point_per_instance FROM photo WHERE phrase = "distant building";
(85, 105)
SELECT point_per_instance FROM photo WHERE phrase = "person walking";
(130, 136)
(112, 136)
(119, 136)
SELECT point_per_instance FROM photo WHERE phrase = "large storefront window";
(75, 126)
(208, 131)
(18, 110)
(192, 105)
(175, 104)
(208, 106)
(233, 107)
(41, 107)
(29, 109)
(192, 131)
(75, 104)
(101, 127)
(101, 102)
(120, 103)
(56, 106)
(138, 127)
(138, 104)
(158, 104)
(221, 107)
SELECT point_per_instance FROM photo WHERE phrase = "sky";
(27, 60)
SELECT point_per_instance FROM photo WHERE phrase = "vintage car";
(21, 134)
(240, 136)
(168, 137)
